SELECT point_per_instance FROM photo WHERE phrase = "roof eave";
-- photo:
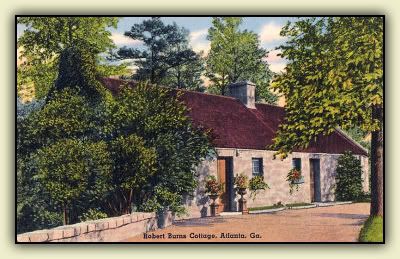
(344, 134)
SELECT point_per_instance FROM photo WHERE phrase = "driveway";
(339, 223)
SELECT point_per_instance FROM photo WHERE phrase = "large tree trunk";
(377, 166)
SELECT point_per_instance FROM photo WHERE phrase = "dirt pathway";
(340, 223)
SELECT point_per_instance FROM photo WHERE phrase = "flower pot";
(214, 205)
(242, 191)
(213, 196)
(242, 201)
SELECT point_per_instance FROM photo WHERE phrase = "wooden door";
(222, 168)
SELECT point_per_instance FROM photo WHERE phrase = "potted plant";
(294, 177)
(241, 182)
(257, 184)
(213, 189)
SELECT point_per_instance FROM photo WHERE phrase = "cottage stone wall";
(275, 171)
(328, 164)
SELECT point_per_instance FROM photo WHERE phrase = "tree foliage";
(45, 38)
(333, 79)
(34, 209)
(73, 170)
(61, 141)
(67, 115)
(133, 166)
(59, 146)
(93, 214)
(155, 116)
(87, 153)
(236, 55)
(37, 77)
(360, 137)
(167, 58)
(348, 178)
(77, 69)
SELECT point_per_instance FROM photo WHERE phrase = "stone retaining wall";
(103, 230)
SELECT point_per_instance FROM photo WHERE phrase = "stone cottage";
(242, 129)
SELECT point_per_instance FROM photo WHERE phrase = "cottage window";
(296, 163)
(257, 165)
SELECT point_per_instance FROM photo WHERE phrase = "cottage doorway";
(225, 176)
(315, 180)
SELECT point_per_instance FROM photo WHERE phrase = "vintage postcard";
(199, 129)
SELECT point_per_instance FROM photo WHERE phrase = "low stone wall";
(103, 230)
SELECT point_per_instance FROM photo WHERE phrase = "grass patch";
(275, 206)
(298, 204)
(372, 231)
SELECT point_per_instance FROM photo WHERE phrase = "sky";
(267, 28)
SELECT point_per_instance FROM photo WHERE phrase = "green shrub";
(348, 178)
(364, 197)
(93, 214)
(163, 200)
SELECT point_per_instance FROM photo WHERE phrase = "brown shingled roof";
(233, 125)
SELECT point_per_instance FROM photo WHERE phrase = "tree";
(45, 38)
(66, 115)
(34, 209)
(360, 137)
(71, 168)
(77, 70)
(157, 121)
(37, 77)
(69, 116)
(236, 55)
(348, 178)
(167, 56)
(334, 78)
(85, 153)
(186, 75)
(133, 166)
(66, 123)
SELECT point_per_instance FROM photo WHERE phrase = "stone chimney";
(244, 91)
